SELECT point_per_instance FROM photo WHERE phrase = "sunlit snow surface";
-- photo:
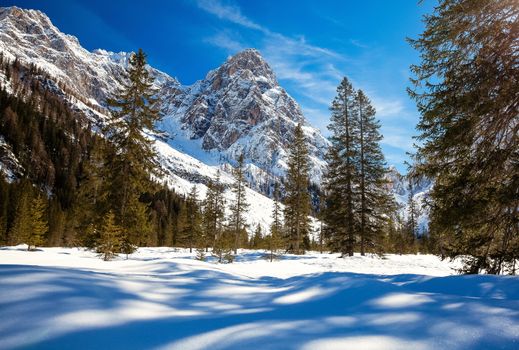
(161, 298)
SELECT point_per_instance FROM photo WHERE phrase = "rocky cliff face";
(399, 186)
(30, 36)
(238, 108)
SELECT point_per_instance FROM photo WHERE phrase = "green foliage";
(257, 240)
(239, 206)
(60, 154)
(109, 243)
(358, 201)
(297, 198)
(130, 159)
(275, 239)
(466, 91)
(339, 181)
(376, 202)
(21, 225)
(213, 208)
(222, 249)
(38, 223)
(190, 222)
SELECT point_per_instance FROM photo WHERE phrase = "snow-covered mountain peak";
(30, 36)
(247, 64)
(35, 25)
(240, 108)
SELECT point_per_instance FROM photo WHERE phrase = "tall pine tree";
(131, 157)
(340, 179)
(190, 221)
(297, 198)
(375, 200)
(466, 91)
(275, 239)
(239, 206)
(39, 225)
(213, 208)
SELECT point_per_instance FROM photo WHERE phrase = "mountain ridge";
(238, 107)
(231, 110)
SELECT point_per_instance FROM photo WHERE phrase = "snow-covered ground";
(161, 298)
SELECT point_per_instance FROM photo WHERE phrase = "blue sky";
(310, 45)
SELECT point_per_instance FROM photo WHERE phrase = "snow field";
(161, 298)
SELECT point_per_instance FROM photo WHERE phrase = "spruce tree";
(375, 202)
(21, 226)
(92, 195)
(340, 179)
(297, 199)
(109, 243)
(131, 159)
(466, 91)
(213, 210)
(5, 200)
(190, 221)
(257, 238)
(39, 225)
(239, 206)
(275, 239)
(412, 211)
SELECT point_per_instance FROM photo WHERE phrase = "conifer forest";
(347, 177)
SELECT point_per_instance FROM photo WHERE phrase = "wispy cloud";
(388, 107)
(226, 40)
(357, 43)
(398, 136)
(228, 12)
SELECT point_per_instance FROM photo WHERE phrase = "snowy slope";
(90, 77)
(400, 188)
(184, 171)
(241, 108)
(161, 298)
(10, 167)
(238, 108)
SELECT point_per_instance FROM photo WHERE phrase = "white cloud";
(229, 13)
(318, 117)
(387, 107)
(397, 137)
(226, 40)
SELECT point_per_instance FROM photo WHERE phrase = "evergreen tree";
(92, 195)
(213, 212)
(239, 206)
(5, 200)
(340, 179)
(412, 211)
(57, 224)
(275, 239)
(21, 226)
(200, 253)
(297, 199)
(321, 228)
(109, 243)
(257, 238)
(190, 221)
(39, 225)
(375, 200)
(131, 159)
(466, 91)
